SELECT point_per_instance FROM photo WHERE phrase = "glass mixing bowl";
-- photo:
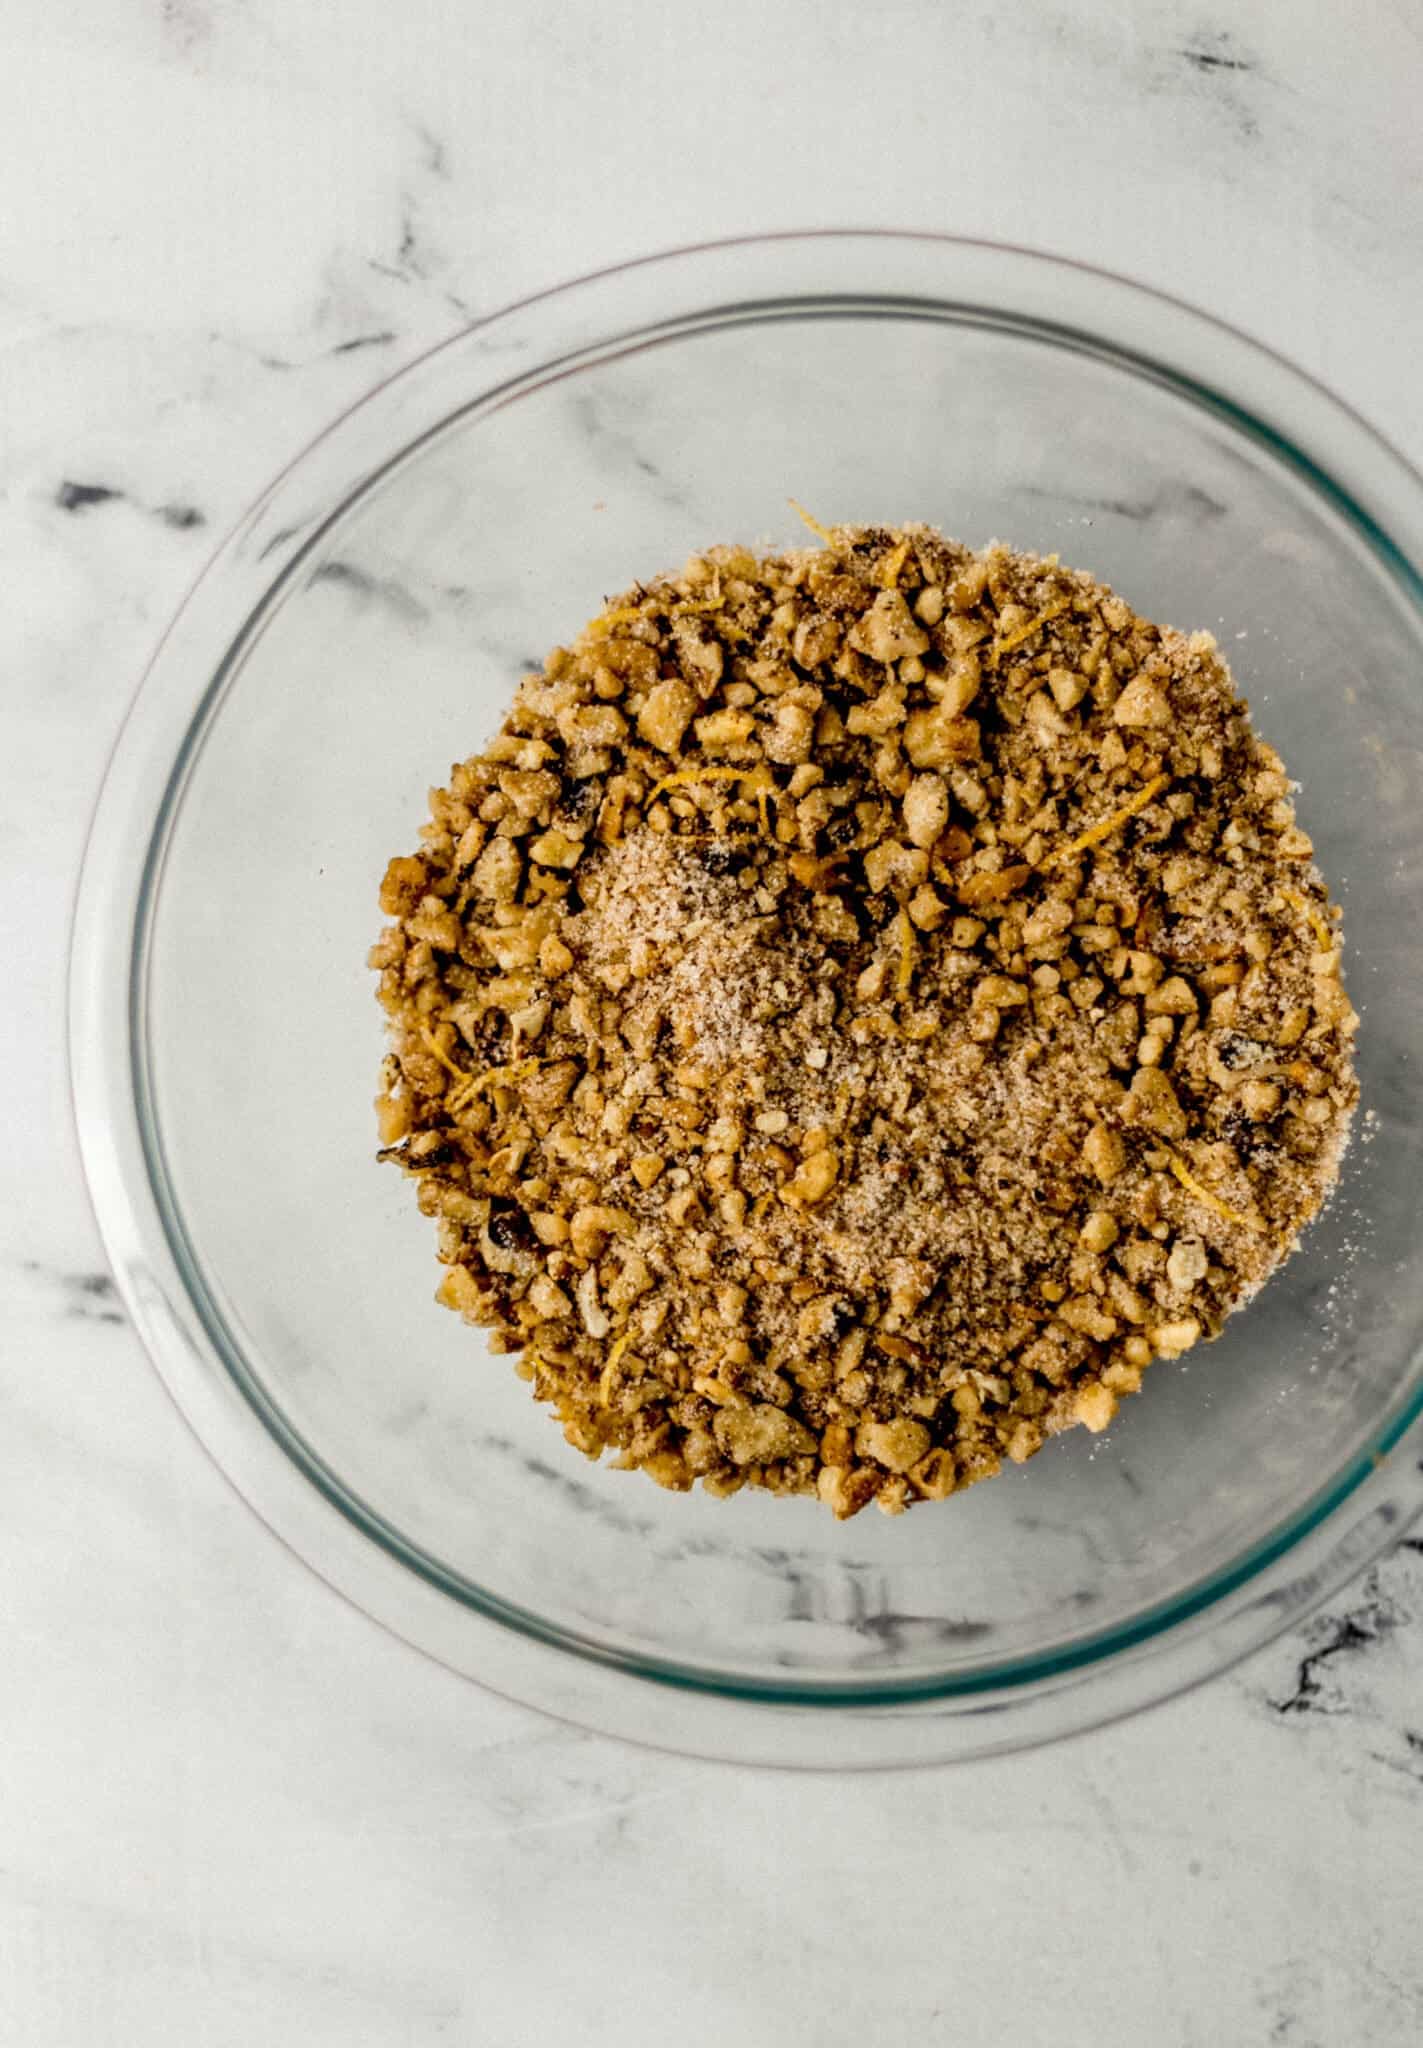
(365, 626)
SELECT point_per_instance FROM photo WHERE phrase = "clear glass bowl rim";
(1009, 1705)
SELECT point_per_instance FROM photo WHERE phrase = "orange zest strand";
(905, 975)
(1097, 833)
(891, 569)
(432, 1045)
(462, 1097)
(1008, 641)
(1324, 934)
(682, 776)
(822, 533)
(605, 1382)
(620, 615)
(1213, 1202)
(759, 783)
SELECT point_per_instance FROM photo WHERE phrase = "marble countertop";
(234, 1811)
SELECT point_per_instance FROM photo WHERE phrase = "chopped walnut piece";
(887, 630)
(665, 714)
(1171, 1339)
(1095, 1406)
(556, 850)
(761, 1435)
(993, 887)
(899, 1444)
(926, 809)
(1260, 1099)
(813, 1179)
(1172, 998)
(404, 885)
(938, 737)
(1187, 1263)
(1103, 1153)
(1152, 1101)
(1099, 1233)
(1142, 703)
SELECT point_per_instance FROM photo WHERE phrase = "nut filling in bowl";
(829, 1053)
(865, 1004)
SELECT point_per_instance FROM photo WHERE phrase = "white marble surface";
(231, 1810)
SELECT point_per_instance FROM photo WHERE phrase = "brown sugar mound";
(864, 1005)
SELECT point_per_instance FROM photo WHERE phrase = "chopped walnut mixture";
(864, 1005)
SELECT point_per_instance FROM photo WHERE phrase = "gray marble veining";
(234, 1810)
